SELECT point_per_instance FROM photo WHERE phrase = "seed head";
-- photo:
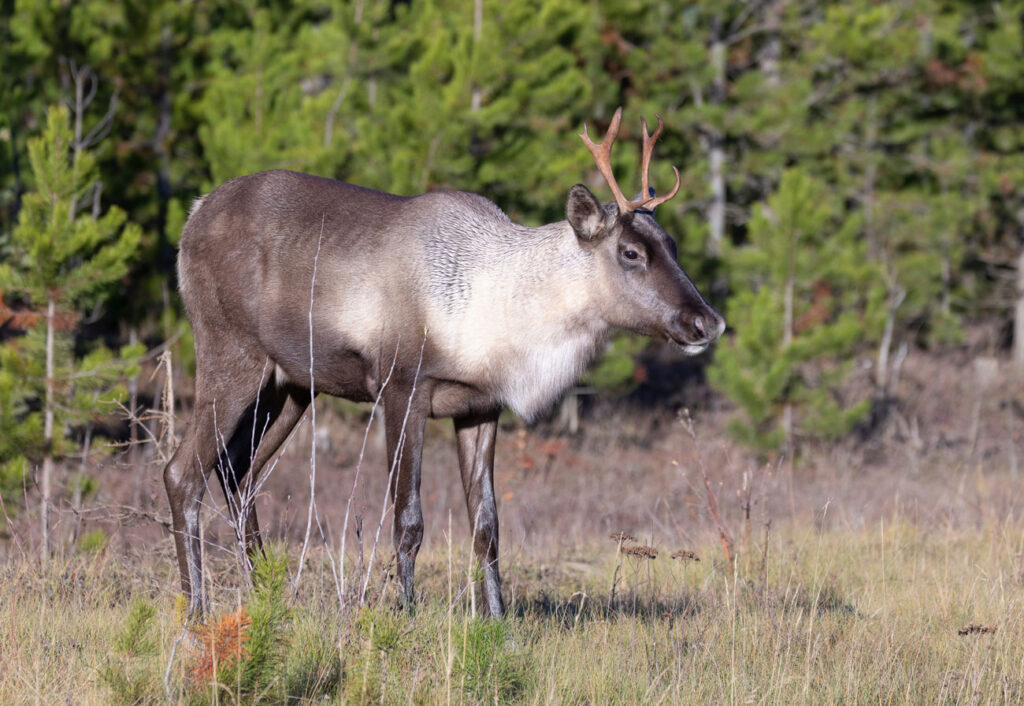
(641, 552)
(621, 537)
(975, 629)
(685, 555)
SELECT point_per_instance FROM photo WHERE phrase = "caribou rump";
(459, 309)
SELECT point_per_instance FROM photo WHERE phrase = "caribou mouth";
(690, 348)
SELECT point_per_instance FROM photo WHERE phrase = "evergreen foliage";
(269, 611)
(129, 673)
(905, 116)
(63, 264)
(802, 301)
(242, 655)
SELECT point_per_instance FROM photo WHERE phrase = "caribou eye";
(630, 254)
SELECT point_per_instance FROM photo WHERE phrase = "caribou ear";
(584, 213)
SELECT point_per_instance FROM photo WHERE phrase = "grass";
(867, 616)
(890, 573)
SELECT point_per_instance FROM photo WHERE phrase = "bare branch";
(359, 465)
(312, 444)
(106, 123)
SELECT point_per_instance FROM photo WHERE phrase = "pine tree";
(266, 101)
(803, 299)
(63, 263)
(989, 86)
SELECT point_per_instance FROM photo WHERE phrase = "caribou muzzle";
(694, 332)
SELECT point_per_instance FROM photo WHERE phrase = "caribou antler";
(602, 153)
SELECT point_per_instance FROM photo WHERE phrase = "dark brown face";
(646, 290)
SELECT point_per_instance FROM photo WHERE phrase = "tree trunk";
(787, 334)
(76, 496)
(478, 21)
(771, 52)
(882, 378)
(133, 428)
(47, 475)
(1018, 318)
(787, 340)
(716, 144)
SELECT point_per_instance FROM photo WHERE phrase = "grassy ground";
(883, 570)
(866, 616)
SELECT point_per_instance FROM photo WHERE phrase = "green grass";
(844, 617)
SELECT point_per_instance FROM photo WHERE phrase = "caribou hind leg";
(476, 436)
(223, 411)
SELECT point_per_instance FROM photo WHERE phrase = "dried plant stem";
(312, 404)
(355, 479)
(764, 561)
(239, 507)
(170, 665)
(450, 662)
(133, 426)
(615, 574)
(167, 403)
(10, 527)
(723, 532)
(76, 495)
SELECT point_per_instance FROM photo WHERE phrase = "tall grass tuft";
(377, 638)
(312, 666)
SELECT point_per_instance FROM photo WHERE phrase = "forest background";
(852, 178)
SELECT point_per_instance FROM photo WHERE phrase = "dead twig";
(723, 532)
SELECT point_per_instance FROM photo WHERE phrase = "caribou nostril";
(698, 323)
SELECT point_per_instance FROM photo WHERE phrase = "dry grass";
(892, 572)
(892, 614)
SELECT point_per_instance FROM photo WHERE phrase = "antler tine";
(650, 203)
(645, 164)
(657, 201)
(602, 157)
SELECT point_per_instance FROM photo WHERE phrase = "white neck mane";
(515, 307)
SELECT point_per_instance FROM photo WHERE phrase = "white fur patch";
(280, 378)
(196, 205)
(355, 312)
(543, 372)
(521, 333)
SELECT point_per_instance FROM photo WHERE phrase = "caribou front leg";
(405, 413)
(476, 461)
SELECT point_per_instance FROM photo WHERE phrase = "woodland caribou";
(464, 309)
